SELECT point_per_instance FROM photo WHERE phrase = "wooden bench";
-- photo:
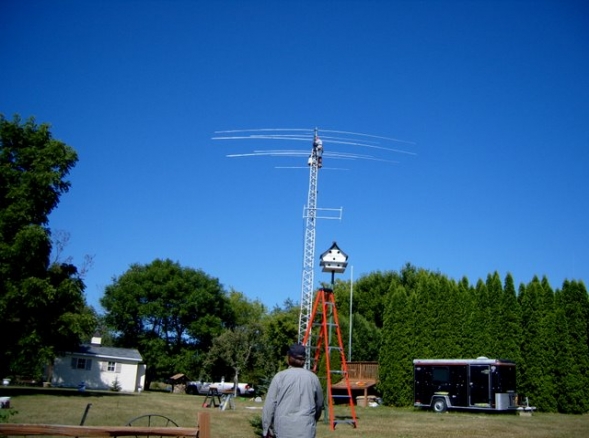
(202, 431)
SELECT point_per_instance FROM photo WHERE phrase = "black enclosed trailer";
(478, 384)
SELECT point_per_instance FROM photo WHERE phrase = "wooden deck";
(362, 376)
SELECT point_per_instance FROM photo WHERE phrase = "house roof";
(129, 354)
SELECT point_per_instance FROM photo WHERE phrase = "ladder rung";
(339, 396)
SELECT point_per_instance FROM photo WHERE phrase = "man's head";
(296, 355)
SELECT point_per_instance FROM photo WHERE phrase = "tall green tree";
(366, 337)
(538, 344)
(467, 304)
(509, 329)
(445, 308)
(572, 348)
(480, 322)
(370, 295)
(239, 351)
(170, 313)
(236, 354)
(398, 347)
(494, 313)
(42, 304)
(365, 332)
(280, 332)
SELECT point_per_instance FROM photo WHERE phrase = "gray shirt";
(293, 404)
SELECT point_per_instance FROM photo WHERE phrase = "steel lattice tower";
(310, 215)
(310, 211)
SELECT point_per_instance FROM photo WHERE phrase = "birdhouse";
(334, 260)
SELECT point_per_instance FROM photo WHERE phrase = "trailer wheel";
(439, 405)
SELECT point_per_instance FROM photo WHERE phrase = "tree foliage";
(572, 348)
(42, 305)
(239, 352)
(429, 316)
(236, 353)
(538, 350)
(280, 331)
(398, 347)
(170, 313)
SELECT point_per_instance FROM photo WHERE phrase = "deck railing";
(363, 370)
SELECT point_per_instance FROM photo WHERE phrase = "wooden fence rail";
(202, 431)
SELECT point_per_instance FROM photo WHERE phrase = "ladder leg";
(326, 339)
(325, 304)
(344, 365)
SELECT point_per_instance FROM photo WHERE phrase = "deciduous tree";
(170, 313)
(42, 304)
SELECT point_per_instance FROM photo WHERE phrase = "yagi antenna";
(368, 140)
(314, 162)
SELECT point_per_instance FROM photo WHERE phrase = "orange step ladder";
(324, 307)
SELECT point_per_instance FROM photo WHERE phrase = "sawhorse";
(227, 401)
(213, 399)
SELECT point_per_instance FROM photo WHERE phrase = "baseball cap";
(297, 351)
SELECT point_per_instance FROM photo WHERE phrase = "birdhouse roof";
(334, 254)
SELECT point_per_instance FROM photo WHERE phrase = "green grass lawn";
(55, 406)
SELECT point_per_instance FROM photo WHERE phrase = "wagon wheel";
(152, 420)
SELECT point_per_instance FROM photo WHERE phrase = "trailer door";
(480, 376)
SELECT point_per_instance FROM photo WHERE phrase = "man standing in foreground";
(294, 401)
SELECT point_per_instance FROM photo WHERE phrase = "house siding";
(130, 373)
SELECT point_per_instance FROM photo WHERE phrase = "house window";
(110, 366)
(80, 363)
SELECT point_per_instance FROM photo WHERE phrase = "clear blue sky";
(493, 94)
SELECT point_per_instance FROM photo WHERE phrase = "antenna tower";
(310, 211)
(310, 215)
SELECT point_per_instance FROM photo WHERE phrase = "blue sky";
(491, 96)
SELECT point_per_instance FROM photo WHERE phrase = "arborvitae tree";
(493, 311)
(426, 329)
(509, 329)
(370, 294)
(365, 333)
(490, 320)
(538, 339)
(572, 350)
(449, 312)
(466, 296)
(479, 322)
(365, 338)
(440, 310)
(397, 351)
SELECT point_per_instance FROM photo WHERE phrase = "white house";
(95, 367)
